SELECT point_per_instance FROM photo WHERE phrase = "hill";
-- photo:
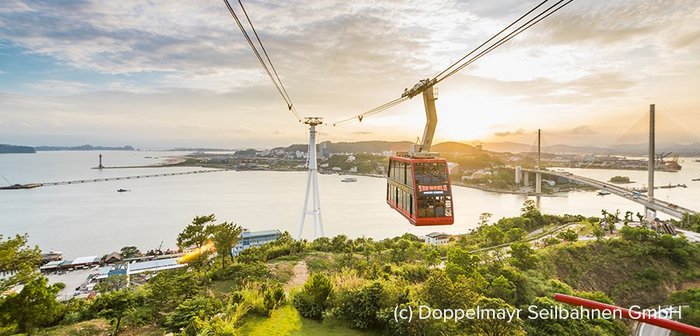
(11, 149)
(83, 148)
(382, 146)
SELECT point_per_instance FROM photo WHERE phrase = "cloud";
(519, 131)
(584, 130)
(181, 71)
(686, 40)
(60, 87)
(615, 22)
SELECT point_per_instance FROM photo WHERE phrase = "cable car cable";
(541, 16)
(272, 66)
(508, 37)
(489, 40)
(287, 101)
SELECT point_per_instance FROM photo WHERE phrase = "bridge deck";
(658, 205)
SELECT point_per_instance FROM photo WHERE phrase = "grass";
(222, 288)
(99, 327)
(286, 321)
(282, 271)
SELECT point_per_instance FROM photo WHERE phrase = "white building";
(436, 238)
(256, 238)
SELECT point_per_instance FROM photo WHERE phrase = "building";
(256, 238)
(82, 262)
(112, 258)
(436, 238)
(156, 265)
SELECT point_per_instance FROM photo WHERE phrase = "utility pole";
(312, 182)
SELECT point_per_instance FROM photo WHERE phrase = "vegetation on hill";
(620, 179)
(11, 149)
(355, 286)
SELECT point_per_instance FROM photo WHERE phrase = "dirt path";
(301, 273)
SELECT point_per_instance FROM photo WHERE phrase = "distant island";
(620, 179)
(201, 149)
(11, 149)
(82, 148)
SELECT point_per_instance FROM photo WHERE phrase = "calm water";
(93, 219)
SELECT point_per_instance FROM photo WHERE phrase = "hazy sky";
(160, 74)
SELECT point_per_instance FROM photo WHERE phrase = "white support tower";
(312, 183)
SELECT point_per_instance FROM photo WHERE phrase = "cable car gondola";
(418, 181)
(419, 189)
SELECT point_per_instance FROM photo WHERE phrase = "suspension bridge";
(648, 201)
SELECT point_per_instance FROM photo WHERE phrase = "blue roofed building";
(256, 238)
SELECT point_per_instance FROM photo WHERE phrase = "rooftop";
(248, 234)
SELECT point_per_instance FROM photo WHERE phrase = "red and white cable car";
(418, 181)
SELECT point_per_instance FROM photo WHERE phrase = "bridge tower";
(538, 176)
(312, 183)
(652, 153)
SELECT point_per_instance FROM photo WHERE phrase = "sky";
(164, 74)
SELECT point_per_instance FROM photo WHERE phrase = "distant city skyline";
(179, 74)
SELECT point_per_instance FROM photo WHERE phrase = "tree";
(360, 307)
(492, 235)
(641, 218)
(515, 234)
(484, 219)
(628, 217)
(494, 326)
(115, 305)
(202, 307)
(34, 306)
(130, 252)
(196, 233)
(568, 235)
(442, 292)
(18, 259)
(502, 288)
(225, 236)
(523, 257)
(312, 301)
(461, 263)
(112, 283)
(339, 243)
(598, 232)
(530, 211)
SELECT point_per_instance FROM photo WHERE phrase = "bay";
(94, 219)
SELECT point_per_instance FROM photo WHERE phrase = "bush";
(201, 307)
(360, 307)
(312, 301)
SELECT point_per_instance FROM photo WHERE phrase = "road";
(658, 205)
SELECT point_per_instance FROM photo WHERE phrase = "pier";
(107, 179)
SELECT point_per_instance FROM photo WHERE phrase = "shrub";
(312, 301)
(360, 307)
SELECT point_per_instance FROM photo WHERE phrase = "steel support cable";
(490, 39)
(546, 13)
(500, 42)
(260, 59)
(290, 105)
(373, 111)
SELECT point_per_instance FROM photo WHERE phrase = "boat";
(603, 193)
(349, 179)
(123, 190)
